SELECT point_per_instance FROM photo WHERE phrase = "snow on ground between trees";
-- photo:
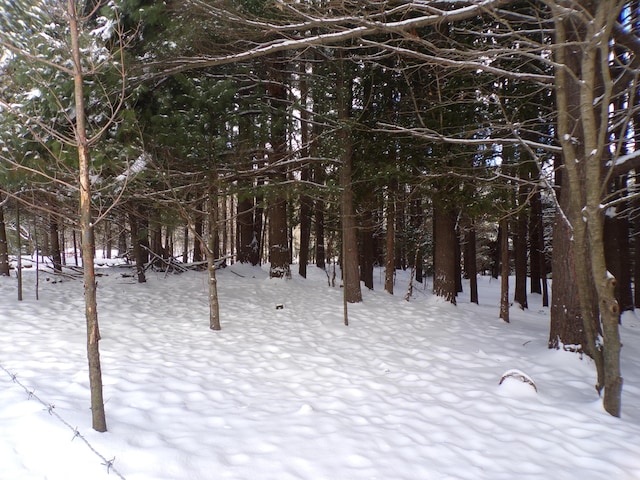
(410, 390)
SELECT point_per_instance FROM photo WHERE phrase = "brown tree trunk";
(198, 227)
(390, 250)
(350, 273)
(86, 225)
(536, 247)
(582, 96)
(618, 257)
(214, 305)
(279, 254)
(136, 244)
(368, 250)
(470, 263)
(4, 245)
(54, 233)
(319, 233)
(444, 239)
(520, 249)
(306, 209)
(504, 271)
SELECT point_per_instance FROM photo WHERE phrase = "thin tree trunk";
(306, 208)
(504, 261)
(214, 305)
(536, 247)
(137, 247)
(520, 250)
(198, 224)
(55, 244)
(19, 241)
(86, 225)
(390, 250)
(470, 266)
(4, 244)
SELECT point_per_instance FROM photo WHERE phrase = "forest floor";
(409, 390)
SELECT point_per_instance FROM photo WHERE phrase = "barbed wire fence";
(50, 408)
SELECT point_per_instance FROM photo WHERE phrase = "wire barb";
(50, 408)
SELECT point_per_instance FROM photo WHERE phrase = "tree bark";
(390, 250)
(470, 263)
(4, 244)
(137, 246)
(214, 305)
(520, 249)
(504, 271)
(444, 238)
(584, 93)
(536, 246)
(350, 273)
(54, 234)
(86, 225)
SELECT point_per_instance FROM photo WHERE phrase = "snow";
(410, 390)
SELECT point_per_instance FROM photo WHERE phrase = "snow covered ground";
(410, 390)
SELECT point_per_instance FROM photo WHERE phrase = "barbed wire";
(50, 408)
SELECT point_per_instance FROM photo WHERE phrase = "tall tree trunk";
(185, 244)
(136, 244)
(306, 202)
(56, 258)
(306, 209)
(320, 253)
(244, 230)
(214, 305)
(536, 247)
(86, 225)
(108, 240)
(470, 263)
(350, 274)
(444, 278)
(122, 237)
(279, 254)
(618, 256)
(520, 249)
(368, 250)
(583, 96)
(390, 242)
(504, 271)
(198, 227)
(4, 244)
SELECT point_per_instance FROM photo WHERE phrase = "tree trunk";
(350, 273)
(137, 246)
(214, 305)
(306, 209)
(185, 244)
(520, 249)
(198, 227)
(390, 250)
(583, 93)
(56, 258)
(4, 244)
(319, 233)
(86, 225)
(504, 271)
(444, 278)
(122, 237)
(536, 246)
(368, 249)
(618, 256)
(470, 263)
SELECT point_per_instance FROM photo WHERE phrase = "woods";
(481, 137)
